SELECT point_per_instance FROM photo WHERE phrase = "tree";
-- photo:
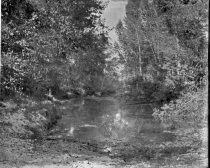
(154, 46)
(49, 40)
(187, 21)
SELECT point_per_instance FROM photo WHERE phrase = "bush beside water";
(24, 125)
(187, 117)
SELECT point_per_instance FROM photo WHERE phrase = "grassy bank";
(23, 124)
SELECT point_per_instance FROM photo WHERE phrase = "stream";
(104, 119)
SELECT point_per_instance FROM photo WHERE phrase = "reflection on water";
(71, 131)
(103, 119)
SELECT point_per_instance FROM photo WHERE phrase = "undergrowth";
(187, 117)
(24, 124)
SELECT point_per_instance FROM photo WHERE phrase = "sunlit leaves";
(46, 43)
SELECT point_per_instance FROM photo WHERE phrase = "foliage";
(24, 125)
(57, 45)
(187, 111)
(29, 119)
(188, 23)
(156, 50)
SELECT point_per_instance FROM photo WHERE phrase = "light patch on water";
(88, 125)
(119, 120)
(108, 149)
(83, 102)
(71, 131)
(118, 117)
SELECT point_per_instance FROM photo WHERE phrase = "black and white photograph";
(104, 84)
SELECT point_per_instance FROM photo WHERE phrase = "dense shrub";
(186, 111)
(31, 119)
(153, 91)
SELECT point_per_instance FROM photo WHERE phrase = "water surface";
(103, 119)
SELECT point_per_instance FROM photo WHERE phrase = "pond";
(105, 119)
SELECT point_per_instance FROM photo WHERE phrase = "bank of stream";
(109, 133)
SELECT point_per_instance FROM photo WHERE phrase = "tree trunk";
(139, 55)
(102, 84)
